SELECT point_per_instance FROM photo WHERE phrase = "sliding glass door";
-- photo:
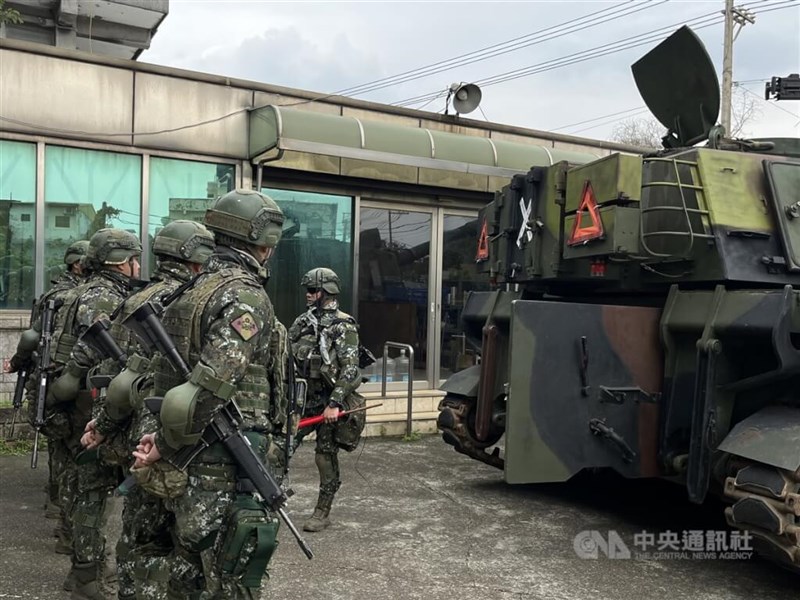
(394, 283)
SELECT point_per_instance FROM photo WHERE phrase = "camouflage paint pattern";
(661, 347)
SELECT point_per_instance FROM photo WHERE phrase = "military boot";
(70, 582)
(52, 510)
(64, 541)
(89, 584)
(318, 521)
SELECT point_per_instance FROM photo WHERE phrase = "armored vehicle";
(645, 314)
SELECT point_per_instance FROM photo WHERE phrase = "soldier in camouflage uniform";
(325, 346)
(57, 425)
(113, 257)
(181, 247)
(222, 327)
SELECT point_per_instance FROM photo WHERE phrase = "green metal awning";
(274, 129)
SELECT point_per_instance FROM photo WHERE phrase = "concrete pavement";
(416, 520)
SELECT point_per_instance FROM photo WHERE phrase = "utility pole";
(740, 16)
(727, 67)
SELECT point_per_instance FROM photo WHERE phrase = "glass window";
(87, 190)
(17, 204)
(317, 232)
(459, 276)
(394, 248)
(182, 189)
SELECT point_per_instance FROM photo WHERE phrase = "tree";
(102, 219)
(744, 110)
(647, 132)
(9, 15)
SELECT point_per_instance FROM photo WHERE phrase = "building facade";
(387, 197)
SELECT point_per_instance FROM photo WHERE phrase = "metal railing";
(410, 350)
(683, 209)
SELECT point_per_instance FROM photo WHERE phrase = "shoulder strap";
(226, 277)
(343, 317)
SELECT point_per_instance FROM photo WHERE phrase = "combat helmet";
(245, 216)
(75, 251)
(322, 277)
(188, 241)
(112, 247)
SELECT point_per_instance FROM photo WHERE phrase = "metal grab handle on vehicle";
(410, 350)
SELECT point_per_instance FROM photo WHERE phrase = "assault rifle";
(45, 371)
(22, 379)
(297, 397)
(225, 427)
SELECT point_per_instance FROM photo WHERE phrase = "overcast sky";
(327, 47)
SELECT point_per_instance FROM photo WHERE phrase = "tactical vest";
(124, 336)
(60, 291)
(319, 350)
(64, 338)
(183, 321)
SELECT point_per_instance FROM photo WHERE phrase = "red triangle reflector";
(483, 243)
(583, 233)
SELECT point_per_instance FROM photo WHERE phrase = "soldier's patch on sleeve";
(245, 325)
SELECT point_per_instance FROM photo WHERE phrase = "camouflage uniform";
(95, 299)
(144, 541)
(222, 327)
(325, 346)
(57, 425)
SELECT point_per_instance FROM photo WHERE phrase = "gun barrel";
(300, 541)
(35, 453)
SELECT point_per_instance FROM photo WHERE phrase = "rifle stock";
(99, 338)
(19, 387)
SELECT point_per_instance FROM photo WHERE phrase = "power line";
(570, 59)
(374, 85)
(640, 112)
(772, 104)
(699, 22)
(417, 99)
(549, 33)
(627, 110)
